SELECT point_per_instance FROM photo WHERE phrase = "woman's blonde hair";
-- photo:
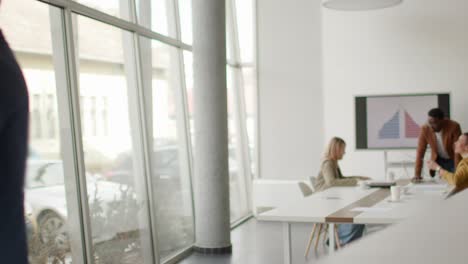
(334, 147)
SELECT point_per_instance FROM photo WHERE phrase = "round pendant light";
(358, 5)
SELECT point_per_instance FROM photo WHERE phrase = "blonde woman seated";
(330, 175)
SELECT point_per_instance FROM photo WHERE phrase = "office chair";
(307, 191)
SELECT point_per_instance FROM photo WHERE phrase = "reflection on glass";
(185, 14)
(157, 15)
(169, 164)
(237, 187)
(104, 113)
(51, 126)
(249, 81)
(35, 123)
(45, 200)
(118, 8)
(245, 26)
(230, 45)
(117, 212)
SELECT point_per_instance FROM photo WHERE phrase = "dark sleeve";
(422, 145)
(13, 150)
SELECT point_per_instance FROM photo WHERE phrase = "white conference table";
(437, 233)
(352, 205)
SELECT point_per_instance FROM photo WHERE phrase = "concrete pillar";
(211, 182)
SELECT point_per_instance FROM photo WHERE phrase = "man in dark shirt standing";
(13, 150)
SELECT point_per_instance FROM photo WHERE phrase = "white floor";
(261, 242)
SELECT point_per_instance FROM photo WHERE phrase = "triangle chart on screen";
(391, 128)
(412, 129)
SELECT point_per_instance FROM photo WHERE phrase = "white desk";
(316, 207)
(436, 233)
(420, 196)
(335, 205)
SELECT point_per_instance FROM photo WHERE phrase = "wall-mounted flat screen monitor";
(394, 121)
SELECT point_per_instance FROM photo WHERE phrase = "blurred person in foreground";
(13, 150)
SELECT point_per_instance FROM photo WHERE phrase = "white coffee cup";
(395, 192)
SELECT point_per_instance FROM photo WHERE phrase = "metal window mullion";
(67, 142)
(183, 100)
(234, 63)
(232, 19)
(77, 134)
(177, 20)
(89, 12)
(172, 18)
(146, 120)
(146, 131)
(139, 152)
(144, 18)
(254, 33)
(140, 160)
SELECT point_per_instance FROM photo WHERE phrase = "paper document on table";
(371, 209)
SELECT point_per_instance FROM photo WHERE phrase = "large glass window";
(169, 156)
(47, 209)
(114, 176)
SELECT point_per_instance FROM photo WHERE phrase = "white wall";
(290, 88)
(420, 46)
